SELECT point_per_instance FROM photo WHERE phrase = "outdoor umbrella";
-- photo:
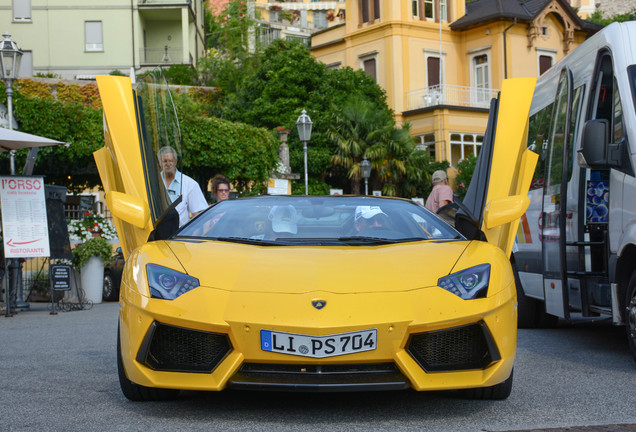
(15, 140)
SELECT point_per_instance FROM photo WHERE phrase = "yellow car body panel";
(512, 163)
(242, 307)
(119, 161)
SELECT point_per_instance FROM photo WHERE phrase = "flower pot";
(92, 279)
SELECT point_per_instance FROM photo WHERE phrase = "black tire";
(630, 314)
(136, 392)
(499, 391)
(109, 292)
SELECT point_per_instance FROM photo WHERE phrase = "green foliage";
(288, 79)
(465, 170)
(243, 153)
(96, 246)
(598, 17)
(73, 123)
(46, 75)
(182, 75)
(117, 72)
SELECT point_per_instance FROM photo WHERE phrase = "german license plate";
(319, 346)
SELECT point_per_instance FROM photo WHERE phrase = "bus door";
(553, 216)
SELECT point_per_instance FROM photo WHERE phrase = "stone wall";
(615, 7)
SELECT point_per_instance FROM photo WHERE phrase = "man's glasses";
(223, 190)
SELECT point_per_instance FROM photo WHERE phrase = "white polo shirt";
(193, 200)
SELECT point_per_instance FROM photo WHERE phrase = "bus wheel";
(630, 314)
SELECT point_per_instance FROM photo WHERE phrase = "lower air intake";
(460, 348)
(178, 349)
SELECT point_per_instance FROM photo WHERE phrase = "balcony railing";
(150, 2)
(293, 5)
(162, 55)
(450, 95)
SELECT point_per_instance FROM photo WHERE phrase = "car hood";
(302, 269)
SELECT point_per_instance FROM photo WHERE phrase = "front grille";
(460, 348)
(316, 377)
(178, 349)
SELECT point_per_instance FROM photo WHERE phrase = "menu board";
(24, 224)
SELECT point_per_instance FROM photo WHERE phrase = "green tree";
(598, 17)
(359, 127)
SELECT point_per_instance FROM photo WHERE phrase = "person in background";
(193, 201)
(220, 187)
(442, 193)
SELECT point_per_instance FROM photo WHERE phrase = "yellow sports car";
(311, 293)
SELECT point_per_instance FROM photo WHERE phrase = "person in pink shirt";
(442, 193)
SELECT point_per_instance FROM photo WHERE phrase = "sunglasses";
(223, 190)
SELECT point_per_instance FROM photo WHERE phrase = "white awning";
(15, 140)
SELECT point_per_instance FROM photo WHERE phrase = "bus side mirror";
(594, 145)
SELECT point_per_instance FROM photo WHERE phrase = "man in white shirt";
(193, 201)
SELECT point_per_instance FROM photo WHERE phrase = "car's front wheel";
(136, 392)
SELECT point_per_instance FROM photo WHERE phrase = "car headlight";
(168, 284)
(470, 283)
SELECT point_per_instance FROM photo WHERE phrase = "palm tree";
(358, 127)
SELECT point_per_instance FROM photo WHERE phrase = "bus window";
(577, 101)
(604, 88)
(618, 115)
(538, 129)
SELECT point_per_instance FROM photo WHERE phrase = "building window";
(320, 19)
(463, 145)
(481, 78)
(93, 34)
(426, 143)
(545, 59)
(432, 9)
(433, 70)
(369, 10)
(22, 10)
(369, 65)
(415, 4)
(429, 9)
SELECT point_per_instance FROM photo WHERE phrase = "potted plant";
(89, 257)
(93, 251)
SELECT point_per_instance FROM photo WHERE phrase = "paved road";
(58, 373)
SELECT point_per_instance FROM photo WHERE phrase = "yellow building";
(441, 61)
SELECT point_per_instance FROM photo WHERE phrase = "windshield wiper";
(367, 240)
(245, 240)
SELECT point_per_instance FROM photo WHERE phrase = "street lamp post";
(365, 167)
(10, 56)
(304, 133)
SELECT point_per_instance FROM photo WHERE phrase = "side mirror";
(503, 210)
(128, 208)
(594, 144)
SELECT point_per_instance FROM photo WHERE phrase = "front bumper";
(427, 339)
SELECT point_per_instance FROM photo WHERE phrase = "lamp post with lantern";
(304, 133)
(10, 56)
(365, 167)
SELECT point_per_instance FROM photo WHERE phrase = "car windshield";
(293, 220)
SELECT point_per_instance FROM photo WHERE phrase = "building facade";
(78, 39)
(442, 61)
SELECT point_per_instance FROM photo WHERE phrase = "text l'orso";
(22, 184)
